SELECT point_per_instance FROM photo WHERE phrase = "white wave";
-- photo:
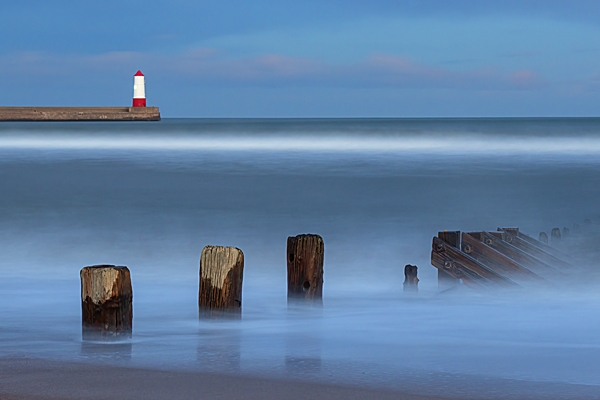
(430, 144)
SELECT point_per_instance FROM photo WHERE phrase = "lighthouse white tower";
(139, 90)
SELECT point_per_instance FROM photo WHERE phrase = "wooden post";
(411, 282)
(445, 280)
(305, 256)
(555, 234)
(221, 274)
(543, 237)
(512, 231)
(106, 302)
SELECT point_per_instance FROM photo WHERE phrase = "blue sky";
(307, 58)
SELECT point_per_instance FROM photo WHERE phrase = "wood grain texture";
(546, 247)
(461, 265)
(547, 254)
(498, 261)
(221, 276)
(445, 280)
(106, 302)
(502, 258)
(305, 257)
(532, 263)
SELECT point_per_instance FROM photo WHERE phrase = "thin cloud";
(403, 71)
(49, 64)
(209, 64)
(525, 79)
(591, 84)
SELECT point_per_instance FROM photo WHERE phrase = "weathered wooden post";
(411, 282)
(221, 274)
(445, 280)
(543, 237)
(106, 302)
(555, 234)
(305, 257)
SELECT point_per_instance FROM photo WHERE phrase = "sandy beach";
(24, 378)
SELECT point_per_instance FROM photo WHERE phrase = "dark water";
(152, 195)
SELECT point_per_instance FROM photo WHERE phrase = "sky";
(309, 58)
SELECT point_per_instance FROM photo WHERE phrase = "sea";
(151, 195)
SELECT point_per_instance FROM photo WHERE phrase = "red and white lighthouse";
(139, 90)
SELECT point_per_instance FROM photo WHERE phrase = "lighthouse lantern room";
(139, 90)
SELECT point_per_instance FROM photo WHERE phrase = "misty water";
(151, 195)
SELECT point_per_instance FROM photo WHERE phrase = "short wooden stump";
(305, 257)
(411, 282)
(106, 302)
(221, 275)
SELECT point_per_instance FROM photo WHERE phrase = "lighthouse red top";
(139, 90)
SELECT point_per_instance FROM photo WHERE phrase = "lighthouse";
(139, 90)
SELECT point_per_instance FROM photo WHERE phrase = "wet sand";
(24, 378)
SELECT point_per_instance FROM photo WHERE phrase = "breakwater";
(79, 114)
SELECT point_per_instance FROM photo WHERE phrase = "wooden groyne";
(79, 114)
(506, 258)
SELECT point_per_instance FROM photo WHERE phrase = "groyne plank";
(460, 265)
(495, 241)
(526, 242)
(445, 280)
(497, 261)
(536, 251)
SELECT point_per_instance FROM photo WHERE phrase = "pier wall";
(79, 114)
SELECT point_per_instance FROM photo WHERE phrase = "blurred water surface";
(152, 195)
